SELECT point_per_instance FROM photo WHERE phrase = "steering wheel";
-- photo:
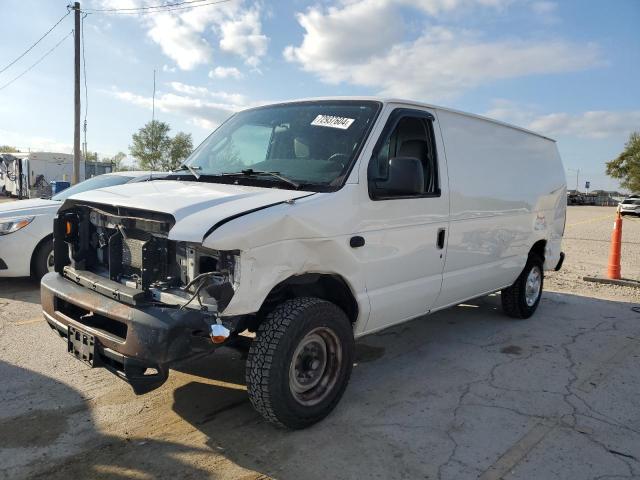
(339, 158)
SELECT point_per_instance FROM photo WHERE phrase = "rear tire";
(521, 299)
(300, 362)
(43, 260)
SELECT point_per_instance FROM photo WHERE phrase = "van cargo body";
(310, 223)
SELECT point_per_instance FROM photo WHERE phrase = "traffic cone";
(613, 270)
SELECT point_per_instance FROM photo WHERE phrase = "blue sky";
(568, 69)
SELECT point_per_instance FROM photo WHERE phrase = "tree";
(181, 148)
(91, 157)
(117, 160)
(8, 149)
(156, 150)
(626, 167)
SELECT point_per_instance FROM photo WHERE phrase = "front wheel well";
(330, 287)
(539, 248)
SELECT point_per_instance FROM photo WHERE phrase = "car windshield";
(307, 143)
(101, 181)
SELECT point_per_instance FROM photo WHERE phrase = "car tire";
(42, 259)
(521, 299)
(300, 362)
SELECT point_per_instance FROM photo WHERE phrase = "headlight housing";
(13, 224)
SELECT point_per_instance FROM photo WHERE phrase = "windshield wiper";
(250, 172)
(193, 170)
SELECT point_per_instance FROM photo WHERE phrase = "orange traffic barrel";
(613, 270)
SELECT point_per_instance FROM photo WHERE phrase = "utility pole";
(153, 114)
(76, 121)
(153, 99)
(577, 170)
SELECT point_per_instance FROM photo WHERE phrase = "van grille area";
(92, 319)
(125, 245)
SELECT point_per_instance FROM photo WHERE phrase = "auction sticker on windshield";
(334, 122)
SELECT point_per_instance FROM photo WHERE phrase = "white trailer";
(39, 169)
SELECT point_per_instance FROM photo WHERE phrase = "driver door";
(405, 233)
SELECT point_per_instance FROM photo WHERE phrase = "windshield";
(311, 143)
(101, 181)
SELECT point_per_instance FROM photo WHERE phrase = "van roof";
(414, 103)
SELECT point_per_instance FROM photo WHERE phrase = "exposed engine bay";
(129, 252)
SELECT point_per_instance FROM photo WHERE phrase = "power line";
(180, 6)
(149, 7)
(36, 43)
(39, 60)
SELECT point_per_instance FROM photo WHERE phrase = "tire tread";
(259, 372)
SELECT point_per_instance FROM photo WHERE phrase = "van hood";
(195, 206)
(34, 206)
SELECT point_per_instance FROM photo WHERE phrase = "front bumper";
(138, 344)
(632, 211)
(16, 250)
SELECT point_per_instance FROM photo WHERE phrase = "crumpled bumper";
(138, 344)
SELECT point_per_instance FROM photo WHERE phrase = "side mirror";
(405, 177)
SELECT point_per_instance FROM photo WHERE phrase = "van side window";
(404, 163)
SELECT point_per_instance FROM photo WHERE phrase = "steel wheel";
(50, 262)
(532, 286)
(315, 366)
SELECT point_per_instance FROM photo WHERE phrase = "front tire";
(521, 299)
(300, 362)
(43, 260)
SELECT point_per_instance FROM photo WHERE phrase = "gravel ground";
(465, 393)
(587, 240)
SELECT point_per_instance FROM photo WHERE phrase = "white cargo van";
(309, 223)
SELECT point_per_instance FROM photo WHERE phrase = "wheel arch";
(327, 286)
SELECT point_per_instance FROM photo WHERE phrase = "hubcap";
(315, 366)
(532, 287)
(50, 264)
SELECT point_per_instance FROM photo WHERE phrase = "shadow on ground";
(23, 289)
(48, 432)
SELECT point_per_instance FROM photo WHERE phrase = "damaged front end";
(128, 298)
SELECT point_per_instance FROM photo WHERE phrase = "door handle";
(441, 236)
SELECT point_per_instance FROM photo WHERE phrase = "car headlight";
(13, 224)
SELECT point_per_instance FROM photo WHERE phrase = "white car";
(26, 226)
(630, 205)
(310, 223)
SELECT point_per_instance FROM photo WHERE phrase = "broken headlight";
(207, 278)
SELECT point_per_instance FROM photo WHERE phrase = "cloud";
(243, 36)
(201, 106)
(234, 98)
(546, 11)
(188, 36)
(442, 62)
(180, 40)
(595, 124)
(24, 143)
(226, 72)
